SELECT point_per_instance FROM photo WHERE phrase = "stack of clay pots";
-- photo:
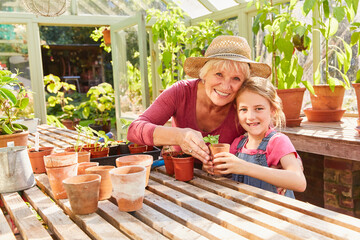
(60, 166)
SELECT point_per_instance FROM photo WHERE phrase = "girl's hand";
(229, 163)
(191, 142)
(208, 167)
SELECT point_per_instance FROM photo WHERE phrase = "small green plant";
(13, 99)
(212, 139)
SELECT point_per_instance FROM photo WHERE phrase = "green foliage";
(285, 38)
(54, 121)
(97, 35)
(333, 12)
(178, 41)
(355, 39)
(101, 102)
(13, 99)
(212, 139)
(60, 35)
(58, 88)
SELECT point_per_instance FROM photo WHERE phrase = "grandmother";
(203, 105)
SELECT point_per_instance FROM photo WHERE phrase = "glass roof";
(194, 8)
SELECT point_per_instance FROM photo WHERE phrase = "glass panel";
(14, 57)
(193, 8)
(223, 4)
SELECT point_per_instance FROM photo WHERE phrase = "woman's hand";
(191, 142)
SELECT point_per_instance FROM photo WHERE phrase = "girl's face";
(221, 86)
(254, 113)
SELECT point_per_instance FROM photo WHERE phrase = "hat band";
(227, 55)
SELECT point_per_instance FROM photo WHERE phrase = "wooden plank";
(166, 225)
(230, 221)
(94, 225)
(281, 227)
(53, 141)
(5, 230)
(280, 211)
(302, 207)
(24, 219)
(193, 221)
(58, 222)
(127, 223)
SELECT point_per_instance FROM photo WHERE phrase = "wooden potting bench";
(206, 207)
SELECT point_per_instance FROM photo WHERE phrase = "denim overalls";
(260, 159)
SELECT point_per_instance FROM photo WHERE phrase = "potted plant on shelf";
(285, 38)
(328, 97)
(13, 99)
(70, 117)
(101, 102)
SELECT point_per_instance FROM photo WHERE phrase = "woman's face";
(221, 86)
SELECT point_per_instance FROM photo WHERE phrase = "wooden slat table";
(203, 208)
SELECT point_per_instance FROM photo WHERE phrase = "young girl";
(264, 158)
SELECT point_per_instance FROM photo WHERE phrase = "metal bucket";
(16, 173)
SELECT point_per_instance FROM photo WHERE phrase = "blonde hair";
(225, 65)
(264, 88)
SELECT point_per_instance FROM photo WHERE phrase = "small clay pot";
(169, 165)
(83, 193)
(137, 149)
(37, 158)
(183, 167)
(129, 187)
(98, 154)
(84, 165)
(70, 124)
(105, 185)
(138, 159)
(88, 147)
(56, 175)
(218, 148)
(61, 159)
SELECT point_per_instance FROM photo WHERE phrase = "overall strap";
(242, 142)
(265, 141)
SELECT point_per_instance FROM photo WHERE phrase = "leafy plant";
(56, 86)
(332, 12)
(285, 37)
(173, 36)
(13, 99)
(212, 139)
(355, 39)
(101, 100)
(98, 34)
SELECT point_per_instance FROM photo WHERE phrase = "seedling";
(212, 139)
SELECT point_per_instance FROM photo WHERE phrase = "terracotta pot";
(99, 154)
(83, 156)
(218, 148)
(70, 124)
(61, 159)
(137, 149)
(184, 168)
(105, 185)
(57, 175)
(84, 165)
(19, 139)
(139, 159)
(129, 187)
(37, 158)
(83, 193)
(323, 115)
(100, 126)
(169, 165)
(88, 147)
(325, 99)
(356, 86)
(292, 102)
(107, 36)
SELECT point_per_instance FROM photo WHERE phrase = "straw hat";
(228, 48)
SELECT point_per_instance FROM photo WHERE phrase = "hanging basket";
(46, 8)
(106, 36)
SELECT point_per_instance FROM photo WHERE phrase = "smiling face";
(221, 86)
(254, 113)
